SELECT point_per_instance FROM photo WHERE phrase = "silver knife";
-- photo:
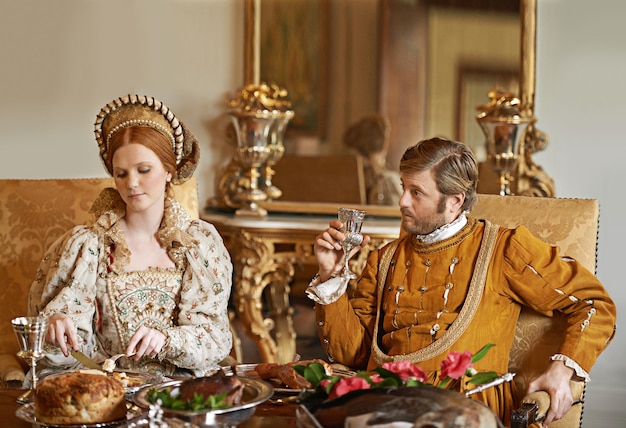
(85, 360)
(507, 377)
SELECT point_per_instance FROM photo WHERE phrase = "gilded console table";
(264, 251)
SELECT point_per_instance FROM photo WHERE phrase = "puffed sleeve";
(540, 277)
(66, 283)
(202, 338)
(346, 326)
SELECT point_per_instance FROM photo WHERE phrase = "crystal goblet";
(30, 333)
(352, 221)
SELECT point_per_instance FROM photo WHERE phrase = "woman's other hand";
(61, 332)
(146, 342)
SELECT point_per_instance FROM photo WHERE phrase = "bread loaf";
(79, 398)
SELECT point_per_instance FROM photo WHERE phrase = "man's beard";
(424, 226)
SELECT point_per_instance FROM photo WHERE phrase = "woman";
(143, 279)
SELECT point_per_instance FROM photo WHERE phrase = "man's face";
(423, 207)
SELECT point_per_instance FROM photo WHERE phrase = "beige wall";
(63, 59)
(580, 81)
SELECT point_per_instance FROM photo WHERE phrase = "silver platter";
(256, 391)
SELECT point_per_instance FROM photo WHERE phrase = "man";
(450, 266)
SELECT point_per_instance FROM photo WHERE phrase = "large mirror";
(424, 65)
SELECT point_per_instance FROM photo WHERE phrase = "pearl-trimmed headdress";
(136, 110)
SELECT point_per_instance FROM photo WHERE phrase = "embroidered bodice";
(141, 298)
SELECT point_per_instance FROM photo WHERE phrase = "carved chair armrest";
(535, 406)
(12, 372)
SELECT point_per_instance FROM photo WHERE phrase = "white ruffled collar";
(445, 231)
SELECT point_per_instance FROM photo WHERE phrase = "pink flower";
(456, 364)
(324, 383)
(376, 378)
(406, 370)
(345, 385)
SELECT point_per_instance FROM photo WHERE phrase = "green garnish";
(170, 400)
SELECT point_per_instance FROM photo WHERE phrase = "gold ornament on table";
(260, 114)
(504, 125)
(277, 150)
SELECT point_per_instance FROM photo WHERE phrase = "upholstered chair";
(572, 225)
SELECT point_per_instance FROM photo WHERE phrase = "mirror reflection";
(423, 65)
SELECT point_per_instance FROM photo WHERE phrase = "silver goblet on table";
(30, 333)
(352, 221)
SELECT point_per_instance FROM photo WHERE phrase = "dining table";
(266, 415)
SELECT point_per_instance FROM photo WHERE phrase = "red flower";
(345, 385)
(406, 370)
(376, 378)
(324, 383)
(456, 364)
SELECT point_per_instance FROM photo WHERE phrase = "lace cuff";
(326, 292)
(169, 350)
(578, 371)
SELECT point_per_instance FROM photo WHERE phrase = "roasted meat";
(215, 384)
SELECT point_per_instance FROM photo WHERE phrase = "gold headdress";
(136, 110)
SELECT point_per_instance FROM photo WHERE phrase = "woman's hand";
(329, 252)
(61, 332)
(146, 342)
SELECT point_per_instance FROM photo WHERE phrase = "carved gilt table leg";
(257, 269)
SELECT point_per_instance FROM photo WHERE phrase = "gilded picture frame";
(294, 55)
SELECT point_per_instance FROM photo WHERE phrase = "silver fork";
(109, 364)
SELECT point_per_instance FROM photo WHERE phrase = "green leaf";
(387, 382)
(170, 400)
(177, 405)
(445, 382)
(217, 401)
(387, 374)
(331, 384)
(483, 377)
(480, 354)
(414, 382)
(314, 373)
(299, 369)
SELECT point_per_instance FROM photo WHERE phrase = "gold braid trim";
(463, 320)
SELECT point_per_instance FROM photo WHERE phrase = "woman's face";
(140, 177)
